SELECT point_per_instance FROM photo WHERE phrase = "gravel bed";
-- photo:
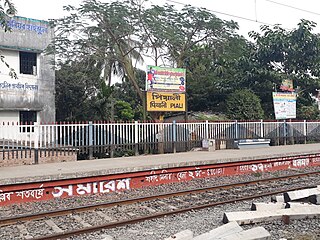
(63, 223)
(204, 220)
(37, 228)
(92, 219)
(198, 221)
(8, 231)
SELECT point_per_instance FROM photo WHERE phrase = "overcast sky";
(256, 11)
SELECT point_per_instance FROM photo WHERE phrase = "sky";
(250, 14)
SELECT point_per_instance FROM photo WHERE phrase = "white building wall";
(10, 58)
(29, 92)
(9, 117)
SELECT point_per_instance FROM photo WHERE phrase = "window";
(27, 118)
(28, 63)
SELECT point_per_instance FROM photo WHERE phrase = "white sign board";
(284, 105)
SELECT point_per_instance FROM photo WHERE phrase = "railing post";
(236, 129)
(261, 128)
(207, 130)
(305, 131)
(174, 135)
(36, 143)
(161, 137)
(291, 134)
(90, 136)
(112, 138)
(278, 133)
(284, 132)
(136, 138)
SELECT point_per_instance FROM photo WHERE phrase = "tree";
(116, 35)
(178, 32)
(280, 54)
(118, 32)
(103, 102)
(308, 112)
(7, 10)
(191, 38)
(123, 111)
(244, 105)
(77, 86)
(124, 91)
(212, 73)
(104, 31)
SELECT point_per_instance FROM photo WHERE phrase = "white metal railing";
(105, 134)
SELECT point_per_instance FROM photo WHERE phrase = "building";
(30, 97)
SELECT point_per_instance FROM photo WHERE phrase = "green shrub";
(244, 105)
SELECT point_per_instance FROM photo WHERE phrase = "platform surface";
(86, 168)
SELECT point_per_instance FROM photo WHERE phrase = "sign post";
(165, 92)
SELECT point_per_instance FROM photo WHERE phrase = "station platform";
(101, 167)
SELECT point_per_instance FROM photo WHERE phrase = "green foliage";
(81, 94)
(102, 102)
(244, 105)
(211, 117)
(7, 10)
(120, 152)
(294, 54)
(124, 91)
(300, 50)
(107, 39)
(211, 74)
(106, 32)
(308, 113)
(77, 85)
(257, 174)
(123, 111)
(179, 31)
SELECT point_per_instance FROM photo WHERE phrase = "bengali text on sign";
(164, 101)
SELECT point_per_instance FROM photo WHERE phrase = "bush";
(308, 113)
(244, 105)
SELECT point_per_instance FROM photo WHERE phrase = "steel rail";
(154, 216)
(62, 212)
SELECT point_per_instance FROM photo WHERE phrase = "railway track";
(57, 224)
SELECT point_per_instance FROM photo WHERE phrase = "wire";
(255, 10)
(300, 9)
(229, 15)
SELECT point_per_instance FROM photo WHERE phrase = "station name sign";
(166, 101)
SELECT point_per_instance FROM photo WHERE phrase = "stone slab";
(267, 206)
(300, 194)
(183, 235)
(220, 232)
(277, 199)
(249, 217)
(257, 233)
(298, 205)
